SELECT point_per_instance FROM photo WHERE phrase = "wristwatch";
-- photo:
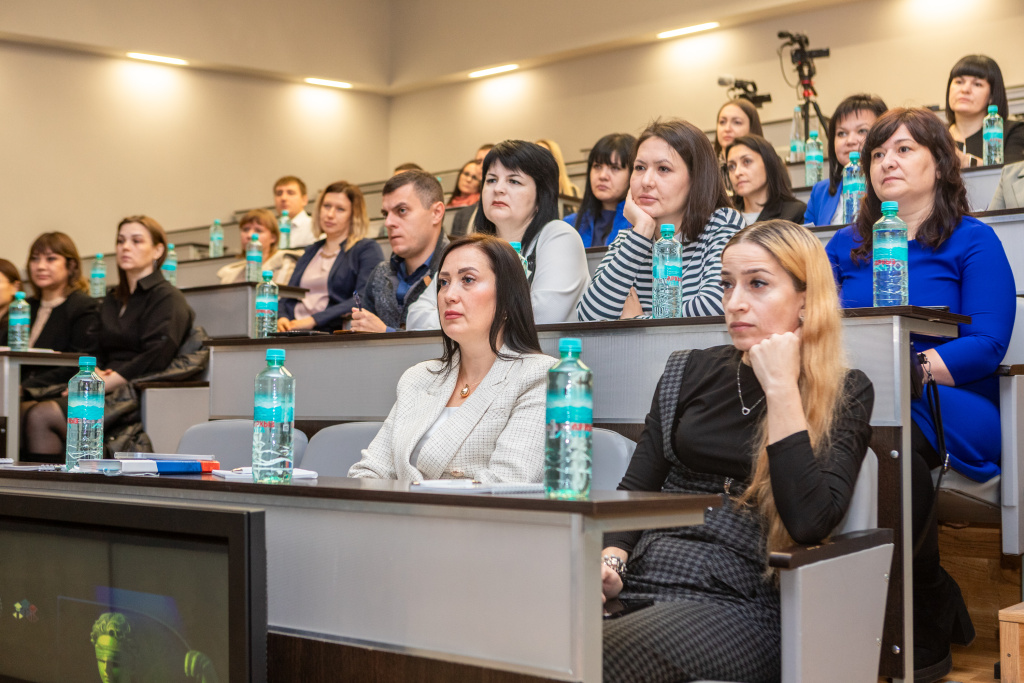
(617, 564)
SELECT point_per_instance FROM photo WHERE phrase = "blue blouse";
(821, 207)
(586, 227)
(970, 273)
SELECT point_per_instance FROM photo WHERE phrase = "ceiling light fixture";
(689, 29)
(495, 70)
(157, 58)
(330, 84)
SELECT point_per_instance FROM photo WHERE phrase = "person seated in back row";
(1010, 192)
(476, 412)
(760, 182)
(600, 218)
(413, 208)
(290, 195)
(10, 284)
(280, 262)
(335, 268)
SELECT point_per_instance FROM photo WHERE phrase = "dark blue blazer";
(349, 274)
(586, 227)
(822, 206)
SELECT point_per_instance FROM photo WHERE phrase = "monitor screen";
(150, 599)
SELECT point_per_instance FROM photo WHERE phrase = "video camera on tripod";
(804, 58)
(745, 89)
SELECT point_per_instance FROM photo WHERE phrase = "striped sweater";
(628, 263)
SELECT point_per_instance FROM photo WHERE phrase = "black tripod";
(804, 61)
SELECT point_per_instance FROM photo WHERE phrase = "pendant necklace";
(739, 390)
(464, 392)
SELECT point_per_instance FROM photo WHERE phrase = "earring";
(801, 318)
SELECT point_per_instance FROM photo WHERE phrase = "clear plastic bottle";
(796, 137)
(273, 422)
(19, 325)
(216, 239)
(169, 268)
(570, 419)
(266, 306)
(992, 134)
(253, 259)
(668, 274)
(86, 392)
(519, 250)
(814, 160)
(889, 258)
(98, 278)
(285, 227)
(854, 188)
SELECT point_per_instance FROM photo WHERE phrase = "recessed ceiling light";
(157, 58)
(330, 84)
(495, 70)
(689, 29)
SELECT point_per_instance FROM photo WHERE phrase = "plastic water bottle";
(570, 424)
(286, 231)
(98, 278)
(216, 239)
(170, 272)
(992, 134)
(253, 259)
(86, 393)
(266, 306)
(814, 160)
(668, 273)
(796, 138)
(274, 422)
(854, 188)
(889, 258)
(18, 324)
(519, 251)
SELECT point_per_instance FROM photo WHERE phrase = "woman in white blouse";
(478, 411)
(519, 203)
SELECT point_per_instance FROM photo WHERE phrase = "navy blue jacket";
(348, 275)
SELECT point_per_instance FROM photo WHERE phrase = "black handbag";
(920, 368)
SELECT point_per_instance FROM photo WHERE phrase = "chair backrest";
(1015, 351)
(611, 452)
(231, 442)
(863, 511)
(333, 450)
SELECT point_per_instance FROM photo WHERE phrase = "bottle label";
(266, 305)
(996, 134)
(272, 414)
(217, 237)
(671, 272)
(580, 418)
(256, 256)
(79, 412)
(18, 318)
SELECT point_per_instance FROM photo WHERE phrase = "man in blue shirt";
(413, 209)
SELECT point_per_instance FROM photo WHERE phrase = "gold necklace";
(464, 391)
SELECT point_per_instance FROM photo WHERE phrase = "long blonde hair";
(822, 358)
(565, 185)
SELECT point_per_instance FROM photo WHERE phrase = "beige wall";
(87, 140)
(900, 49)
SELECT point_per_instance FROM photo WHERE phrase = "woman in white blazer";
(478, 411)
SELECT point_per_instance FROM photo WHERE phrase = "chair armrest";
(845, 544)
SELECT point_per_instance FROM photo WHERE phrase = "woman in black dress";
(778, 423)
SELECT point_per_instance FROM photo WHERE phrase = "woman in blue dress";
(846, 132)
(608, 167)
(955, 260)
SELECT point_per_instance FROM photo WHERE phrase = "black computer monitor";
(114, 592)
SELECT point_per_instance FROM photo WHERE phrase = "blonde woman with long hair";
(778, 423)
(566, 187)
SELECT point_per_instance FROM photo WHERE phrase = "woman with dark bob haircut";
(519, 203)
(760, 182)
(957, 261)
(476, 412)
(675, 179)
(974, 83)
(847, 129)
(600, 218)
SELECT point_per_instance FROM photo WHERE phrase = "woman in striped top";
(675, 180)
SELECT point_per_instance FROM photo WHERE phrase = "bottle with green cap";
(992, 135)
(18, 324)
(273, 422)
(854, 188)
(265, 320)
(86, 392)
(286, 231)
(814, 159)
(98, 278)
(889, 258)
(253, 259)
(216, 239)
(519, 251)
(668, 273)
(570, 423)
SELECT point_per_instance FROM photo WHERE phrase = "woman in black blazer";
(62, 312)
(760, 182)
(335, 268)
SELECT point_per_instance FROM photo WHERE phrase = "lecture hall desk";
(10, 400)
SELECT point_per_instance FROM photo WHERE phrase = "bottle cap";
(99, 257)
(570, 344)
(170, 246)
(275, 354)
(993, 109)
(813, 134)
(518, 246)
(216, 221)
(284, 214)
(267, 274)
(87, 361)
(254, 238)
(854, 156)
(667, 231)
(890, 206)
(20, 296)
